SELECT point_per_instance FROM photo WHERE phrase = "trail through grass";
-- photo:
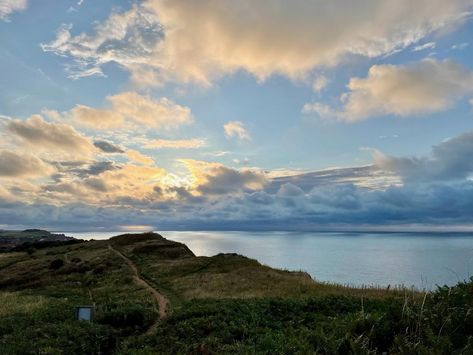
(160, 300)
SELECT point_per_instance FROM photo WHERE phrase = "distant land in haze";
(11, 240)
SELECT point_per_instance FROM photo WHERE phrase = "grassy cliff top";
(153, 295)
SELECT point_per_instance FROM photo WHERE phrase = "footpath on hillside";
(160, 300)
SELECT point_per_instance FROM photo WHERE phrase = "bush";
(128, 316)
(56, 264)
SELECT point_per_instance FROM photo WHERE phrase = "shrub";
(56, 264)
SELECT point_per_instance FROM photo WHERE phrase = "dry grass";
(14, 303)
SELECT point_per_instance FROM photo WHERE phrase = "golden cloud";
(175, 144)
(130, 108)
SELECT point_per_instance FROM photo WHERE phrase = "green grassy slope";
(221, 304)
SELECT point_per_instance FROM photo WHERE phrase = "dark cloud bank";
(434, 190)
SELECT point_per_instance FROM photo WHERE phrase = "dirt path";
(160, 300)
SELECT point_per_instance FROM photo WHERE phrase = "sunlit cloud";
(402, 90)
(175, 144)
(14, 165)
(129, 108)
(139, 157)
(236, 129)
(199, 42)
(53, 139)
(217, 179)
(147, 146)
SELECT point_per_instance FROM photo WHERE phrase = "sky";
(236, 115)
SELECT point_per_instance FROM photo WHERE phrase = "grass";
(221, 304)
(438, 323)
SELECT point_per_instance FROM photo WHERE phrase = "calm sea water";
(411, 259)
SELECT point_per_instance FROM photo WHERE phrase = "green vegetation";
(221, 304)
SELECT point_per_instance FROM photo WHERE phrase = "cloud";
(433, 190)
(163, 113)
(9, 6)
(126, 38)
(319, 83)
(216, 179)
(424, 87)
(401, 90)
(175, 144)
(136, 194)
(52, 138)
(449, 160)
(460, 46)
(223, 180)
(421, 47)
(139, 157)
(370, 177)
(95, 118)
(199, 42)
(236, 129)
(131, 108)
(108, 147)
(119, 184)
(13, 165)
(85, 169)
(322, 110)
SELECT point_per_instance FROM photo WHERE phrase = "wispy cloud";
(125, 38)
(421, 47)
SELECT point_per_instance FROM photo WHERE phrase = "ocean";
(422, 260)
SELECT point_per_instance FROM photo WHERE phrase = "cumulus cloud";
(402, 90)
(236, 129)
(338, 206)
(14, 165)
(423, 87)
(9, 6)
(433, 190)
(215, 178)
(131, 108)
(223, 180)
(449, 160)
(175, 144)
(184, 41)
(52, 138)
